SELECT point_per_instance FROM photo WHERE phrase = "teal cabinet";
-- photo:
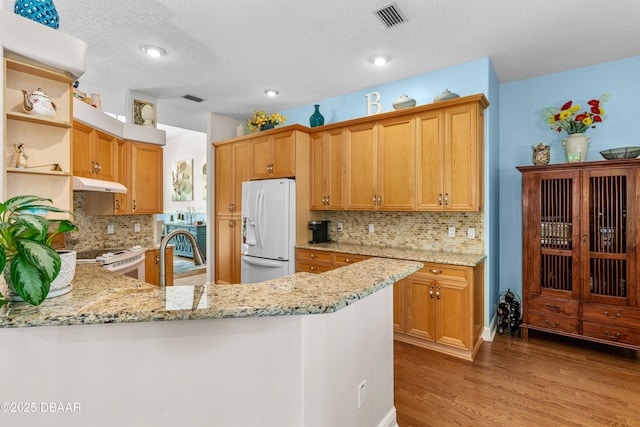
(182, 246)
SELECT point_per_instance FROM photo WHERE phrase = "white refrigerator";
(268, 229)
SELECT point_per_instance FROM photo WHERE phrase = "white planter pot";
(60, 285)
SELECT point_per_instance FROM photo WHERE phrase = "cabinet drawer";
(611, 333)
(443, 270)
(308, 267)
(318, 257)
(612, 315)
(555, 323)
(552, 305)
(341, 259)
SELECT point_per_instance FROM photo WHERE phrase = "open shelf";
(43, 120)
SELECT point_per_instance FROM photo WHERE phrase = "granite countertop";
(101, 296)
(440, 257)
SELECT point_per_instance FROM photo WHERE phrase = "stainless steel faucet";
(198, 258)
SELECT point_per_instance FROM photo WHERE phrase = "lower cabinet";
(227, 249)
(152, 266)
(439, 307)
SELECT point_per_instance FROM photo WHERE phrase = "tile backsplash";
(92, 232)
(414, 230)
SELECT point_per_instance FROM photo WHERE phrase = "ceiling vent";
(390, 15)
(193, 98)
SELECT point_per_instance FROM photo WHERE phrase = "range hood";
(89, 184)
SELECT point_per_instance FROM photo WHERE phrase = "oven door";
(132, 267)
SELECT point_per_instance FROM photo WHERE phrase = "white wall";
(183, 144)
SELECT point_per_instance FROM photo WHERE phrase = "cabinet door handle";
(374, 200)
(446, 199)
(553, 308)
(438, 292)
(313, 256)
(440, 199)
(347, 260)
(328, 203)
(232, 207)
(553, 325)
(434, 271)
(135, 205)
(313, 268)
(232, 223)
(606, 313)
(617, 334)
(117, 204)
(431, 292)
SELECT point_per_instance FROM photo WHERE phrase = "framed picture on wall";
(144, 113)
(182, 180)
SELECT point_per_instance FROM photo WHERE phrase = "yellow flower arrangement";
(260, 120)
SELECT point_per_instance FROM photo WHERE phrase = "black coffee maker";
(320, 231)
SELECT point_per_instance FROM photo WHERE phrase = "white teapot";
(37, 102)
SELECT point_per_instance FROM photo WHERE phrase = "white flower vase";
(576, 147)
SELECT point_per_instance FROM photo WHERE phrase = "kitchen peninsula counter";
(294, 350)
(101, 296)
(439, 257)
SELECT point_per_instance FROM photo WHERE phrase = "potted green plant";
(25, 245)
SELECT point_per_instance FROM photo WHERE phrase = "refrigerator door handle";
(260, 218)
(261, 262)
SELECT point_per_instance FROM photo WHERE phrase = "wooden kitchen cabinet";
(450, 157)
(316, 261)
(152, 266)
(46, 139)
(440, 308)
(380, 166)
(228, 242)
(232, 169)
(327, 170)
(94, 153)
(146, 178)
(579, 250)
(273, 154)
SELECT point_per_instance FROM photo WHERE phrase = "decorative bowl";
(621, 153)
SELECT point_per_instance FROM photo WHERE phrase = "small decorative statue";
(21, 162)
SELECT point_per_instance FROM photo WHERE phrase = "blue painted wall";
(522, 124)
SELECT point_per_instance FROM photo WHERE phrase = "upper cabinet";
(327, 170)
(450, 157)
(94, 153)
(427, 158)
(273, 154)
(232, 168)
(145, 182)
(37, 147)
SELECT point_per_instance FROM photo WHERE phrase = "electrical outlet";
(371, 228)
(452, 232)
(110, 229)
(339, 226)
(471, 233)
(362, 394)
(136, 228)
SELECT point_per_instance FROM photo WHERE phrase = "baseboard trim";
(489, 332)
(390, 420)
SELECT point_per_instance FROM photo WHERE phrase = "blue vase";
(42, 11)
(316, 118)
(267, 126)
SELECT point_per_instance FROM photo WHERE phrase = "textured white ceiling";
(229, 51)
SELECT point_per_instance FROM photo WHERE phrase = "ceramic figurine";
(21, 162)
(446, 94)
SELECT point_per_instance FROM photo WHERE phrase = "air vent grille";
(193, 98)
(390, 15)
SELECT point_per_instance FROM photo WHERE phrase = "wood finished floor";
(547, 381)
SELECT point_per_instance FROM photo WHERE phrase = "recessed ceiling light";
(379, 60)
(271, 92)
(153, 51)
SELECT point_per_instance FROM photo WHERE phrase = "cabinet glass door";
(607, 271)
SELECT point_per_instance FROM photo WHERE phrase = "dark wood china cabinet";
(579, 250)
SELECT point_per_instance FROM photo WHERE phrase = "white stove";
(129, 261)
